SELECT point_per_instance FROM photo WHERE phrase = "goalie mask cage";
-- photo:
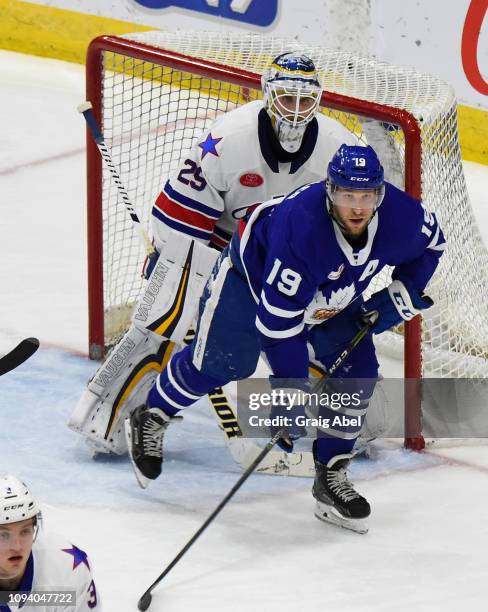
(155, 93)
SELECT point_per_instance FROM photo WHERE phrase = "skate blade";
(328, 514)
(141, 479)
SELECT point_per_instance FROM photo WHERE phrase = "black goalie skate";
(337, 500)
(144, 431)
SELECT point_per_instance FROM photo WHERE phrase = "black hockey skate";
(337, 500)
(144, 431)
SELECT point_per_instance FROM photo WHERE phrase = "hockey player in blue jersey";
(295, 273)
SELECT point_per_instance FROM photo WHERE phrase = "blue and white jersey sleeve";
(424, 252)
(287, 288)
(281, 303)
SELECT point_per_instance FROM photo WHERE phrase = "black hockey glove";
(394, 304)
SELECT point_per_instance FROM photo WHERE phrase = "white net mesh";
(153, 113)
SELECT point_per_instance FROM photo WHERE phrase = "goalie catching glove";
(394, 304)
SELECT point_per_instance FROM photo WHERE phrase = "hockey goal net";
(155, 93)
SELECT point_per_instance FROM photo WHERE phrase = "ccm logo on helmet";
(364, 179)
(250, 179)
(14, 507)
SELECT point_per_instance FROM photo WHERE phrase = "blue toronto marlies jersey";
(301, 269)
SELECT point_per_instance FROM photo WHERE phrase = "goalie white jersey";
(56, 565)
(237, 164)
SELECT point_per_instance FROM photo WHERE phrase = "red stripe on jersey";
(217, 240)
(180, 213)
(241, 227)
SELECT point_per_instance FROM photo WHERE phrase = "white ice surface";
(428, 540)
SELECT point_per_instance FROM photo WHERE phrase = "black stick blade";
(145, 601)
(18, 355)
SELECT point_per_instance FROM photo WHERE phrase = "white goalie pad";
(161, 321)
(120, 385)
(169, 303)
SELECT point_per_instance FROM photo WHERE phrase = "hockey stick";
(86, 109)
(145, 600)
(18, 355)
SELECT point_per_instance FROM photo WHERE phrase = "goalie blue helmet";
(354, 167)
(291, 91)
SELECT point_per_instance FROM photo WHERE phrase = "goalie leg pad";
(163, 313)
(169, 303)
(120, 384)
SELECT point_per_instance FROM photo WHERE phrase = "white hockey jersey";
(236, 165)
(55, 565)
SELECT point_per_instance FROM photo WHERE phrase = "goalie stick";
(146, 598)
(18, 355)
(86, 109)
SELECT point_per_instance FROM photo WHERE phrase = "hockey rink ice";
(427, 545)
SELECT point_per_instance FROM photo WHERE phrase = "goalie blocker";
(160, 322)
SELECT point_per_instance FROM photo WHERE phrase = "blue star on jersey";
(208, 145)
(79, 556)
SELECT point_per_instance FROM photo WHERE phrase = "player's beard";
(352, 226)
(355, 227)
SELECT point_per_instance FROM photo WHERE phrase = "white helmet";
(16, 501)
(291, 91)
